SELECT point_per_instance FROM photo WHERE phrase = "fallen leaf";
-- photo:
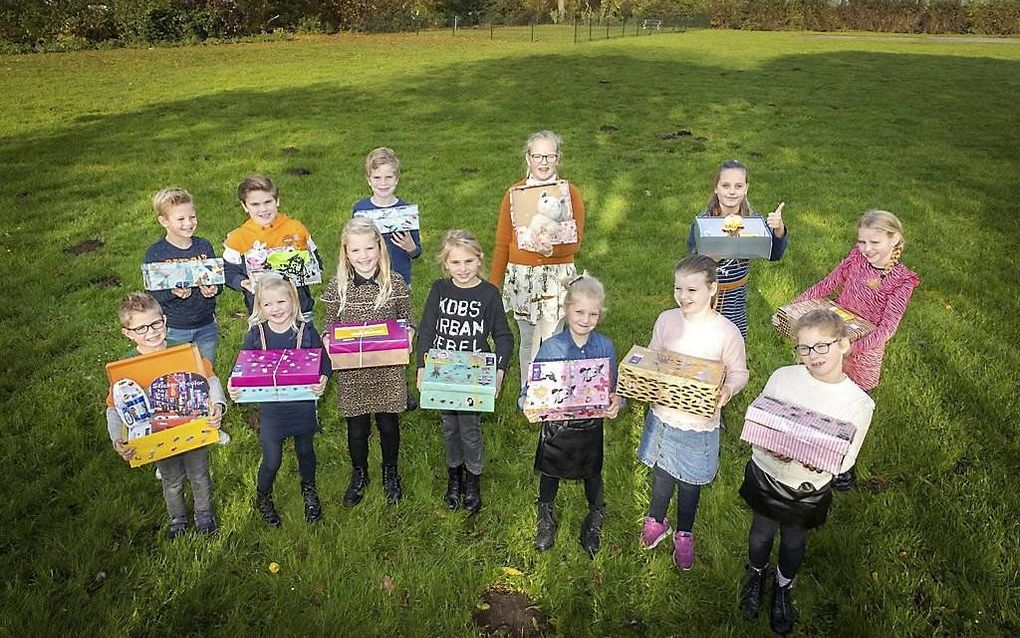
(512, 571)
(387, 584)
(874, 577)
(274, 568)
(483, 606)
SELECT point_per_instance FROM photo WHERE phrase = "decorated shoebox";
(368, 345)
(790, 430)
(714, 238)
(276, 375)
(455, 380)
(164, 275)
(395, 219)
(561, 390)
(542, 214)
(299, 266)
(162, 399)
(786, 317)
(688, 384)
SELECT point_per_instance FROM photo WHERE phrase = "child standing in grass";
(365, 289)
(785, 495)
(190, 312)
(531, 280)
(463, 312)
(683, 449)
(572, 449)
(142, 321)
(730, 198)
(247, 248)
(276, 324)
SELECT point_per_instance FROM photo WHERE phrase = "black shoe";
(783, 614)
(472, 491)
(591, 530)
(545, 530)
(313, 508)
(844, 481)
(356, 489)
(206, 524)
(752, 591)
(177, 528)
(454, 486)
(264, 504)
(412, 401)
(391, 484)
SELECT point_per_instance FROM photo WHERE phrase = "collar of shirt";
(361, 281)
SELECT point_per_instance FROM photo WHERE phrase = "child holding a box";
(572, 449)
(364, 290)
(463, 312)
(785, 495)
(682, 449)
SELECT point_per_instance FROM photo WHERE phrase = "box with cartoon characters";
(368, 345)
(276, 375)
(542, 215)
(298, 265)
(561, 390)
(395, 219)
(164, 275)
(455, 380)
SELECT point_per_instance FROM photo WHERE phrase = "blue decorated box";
(455, 380)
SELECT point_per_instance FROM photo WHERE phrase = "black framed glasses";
(822, 347)
(145, 327)
(538, 158)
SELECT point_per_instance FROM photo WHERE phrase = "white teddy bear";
(549, 212)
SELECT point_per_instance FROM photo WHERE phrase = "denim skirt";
(687, 455)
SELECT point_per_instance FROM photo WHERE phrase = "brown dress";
(369, 390)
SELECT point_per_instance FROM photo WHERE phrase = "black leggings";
(360, 427)
(687, 499)
(549, 485)
(272, 457)
(792, 544)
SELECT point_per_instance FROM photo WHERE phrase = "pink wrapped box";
(790, 430)
(561, 390)
(262, 368)
(370, 336)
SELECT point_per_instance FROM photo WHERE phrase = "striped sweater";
(881, 299)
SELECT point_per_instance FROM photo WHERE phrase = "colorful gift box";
(542, 213)
(299, 266)
(786, 317)
(368, 345)
(276, 375)
(395, 219)
(688, 384)
(790, 430)
(561, 390)
(455, 380)
(164, 275)
(754, 241)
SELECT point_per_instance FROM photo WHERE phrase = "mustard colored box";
(688, 384)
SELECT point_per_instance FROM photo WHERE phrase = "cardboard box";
(164, 275)
(455, 380)
(299, 266)
(753, 242)
(259, 394)
(377, 359)
(786, 317)
(561, 390)
(395, 219)
(171, 442)
(259, 368)
(790, 430)
(368, 345)
(542, 213)
(688, 384)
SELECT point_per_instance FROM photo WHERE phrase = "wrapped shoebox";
(754, 241)
(541, 214)
(561, 390)
(163, 401)
(456, 380)
(807, 436)
(395, 219)
(786, 317)
(276, 375)
(164, 275)
(688, 384)
(368, 345)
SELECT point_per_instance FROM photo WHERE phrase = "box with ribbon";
(368, 344)
(276, 375)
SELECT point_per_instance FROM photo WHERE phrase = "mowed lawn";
(929, 129)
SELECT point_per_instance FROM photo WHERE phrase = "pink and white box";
(561, 390)
(276, 375)
(804, 435)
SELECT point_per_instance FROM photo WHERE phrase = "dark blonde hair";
(463, 240)
(713, 202)
(167, 198)
(362, 227)
(380, 157)
(268, 282)
(883, 220)
(543, 135)
(256, 182)
(824, 320)
(134, 303)
(584, 285)
(698, 264)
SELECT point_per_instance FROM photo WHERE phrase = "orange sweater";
(506, 250)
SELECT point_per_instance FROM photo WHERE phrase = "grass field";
(926, 545)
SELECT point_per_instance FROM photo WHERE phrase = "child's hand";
(208, 291)
(421, 373)
(724, 396)
(215, 415)
(125, 451)
(614, 405)
(405, 241)
(232, 392)
(784, 459)
(775, 220)
(499, 381)
(320, 387)
(183, 293)
(248, 285)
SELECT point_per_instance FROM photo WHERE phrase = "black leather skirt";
(804, 506)
(570, 449)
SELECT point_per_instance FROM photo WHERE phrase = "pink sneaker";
(683, 550)
(654, 531)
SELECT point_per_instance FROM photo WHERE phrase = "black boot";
(591, 530)
(264, 504)
(783, 614)
(454, 486)
(751, 592)
(391, 484)
(356, 489)
(472, 491)
(845, 481)
(313, 508)
(545, 532)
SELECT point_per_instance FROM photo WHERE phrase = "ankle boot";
(783, 613)
(313, 508)
(356, 489)
(454, 486)
(752, 591)
(264, 505)
(391, 484)
(591, 530)
(472, 491)
(545, 532)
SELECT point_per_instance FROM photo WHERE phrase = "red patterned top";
(880, 299)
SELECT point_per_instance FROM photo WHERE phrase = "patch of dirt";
(504, 612)
(109, 281)
(299, 171)
(608, 128)
(673, 135)
(86, 246)
(875, 484)
(468, 170)
(23, 195)
(961, 466)
(252, 419)
(290, 150)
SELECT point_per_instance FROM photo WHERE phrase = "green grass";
(834, 126)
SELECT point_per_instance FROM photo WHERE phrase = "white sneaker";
(159, 477)
(224, 438)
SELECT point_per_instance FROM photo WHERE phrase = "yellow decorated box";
(688, 384)
(786, 317)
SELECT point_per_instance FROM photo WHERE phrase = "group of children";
(557, 312)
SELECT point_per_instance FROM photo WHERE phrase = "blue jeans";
(203, 336)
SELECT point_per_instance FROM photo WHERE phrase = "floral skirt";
(536, 293)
